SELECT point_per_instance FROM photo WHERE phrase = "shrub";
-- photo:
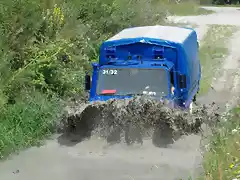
(49, 46)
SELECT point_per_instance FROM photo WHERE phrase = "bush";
(50, 46)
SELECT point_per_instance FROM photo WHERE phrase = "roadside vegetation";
(46, 46)
(212, 52)
(222, 158)
(230, 3)
(222, 148)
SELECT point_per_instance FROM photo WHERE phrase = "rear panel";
(183, 55)
(138, 51)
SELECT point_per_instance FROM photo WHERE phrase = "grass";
(187, 9)
(212, 51)
(27, 122)
(222, 160)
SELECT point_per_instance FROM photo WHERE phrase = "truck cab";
(159, 61)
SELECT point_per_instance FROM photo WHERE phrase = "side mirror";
(87, 82)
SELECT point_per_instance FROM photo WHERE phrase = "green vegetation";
(224, 2)
(220, 2)
(46, 47)
(212, 52)
(222, 159)
(27, 121)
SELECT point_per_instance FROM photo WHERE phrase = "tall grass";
(222, 160)
(28, 120)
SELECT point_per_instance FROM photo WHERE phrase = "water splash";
(132, 120)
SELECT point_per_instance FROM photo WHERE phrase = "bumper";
(169, 103)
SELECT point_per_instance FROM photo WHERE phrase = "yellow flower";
(62, 19)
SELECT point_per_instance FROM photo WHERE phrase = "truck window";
(126, 81)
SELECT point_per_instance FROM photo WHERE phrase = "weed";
(222, 160)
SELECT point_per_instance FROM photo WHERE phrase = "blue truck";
(159, 61)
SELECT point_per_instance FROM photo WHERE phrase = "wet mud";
(132, 120)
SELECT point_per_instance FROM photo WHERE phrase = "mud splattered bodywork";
(148, 60)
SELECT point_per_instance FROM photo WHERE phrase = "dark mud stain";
(132, 120)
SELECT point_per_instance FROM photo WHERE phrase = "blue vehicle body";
(176, 62)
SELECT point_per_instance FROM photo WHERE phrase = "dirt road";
(226, 86)
(94, 159)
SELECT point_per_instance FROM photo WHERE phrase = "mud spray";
(132, 120)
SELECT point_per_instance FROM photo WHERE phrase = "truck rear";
(159, 61)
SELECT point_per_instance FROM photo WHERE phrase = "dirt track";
(226, 87)
(94, 159)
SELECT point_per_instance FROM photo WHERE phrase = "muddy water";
(132, 120)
